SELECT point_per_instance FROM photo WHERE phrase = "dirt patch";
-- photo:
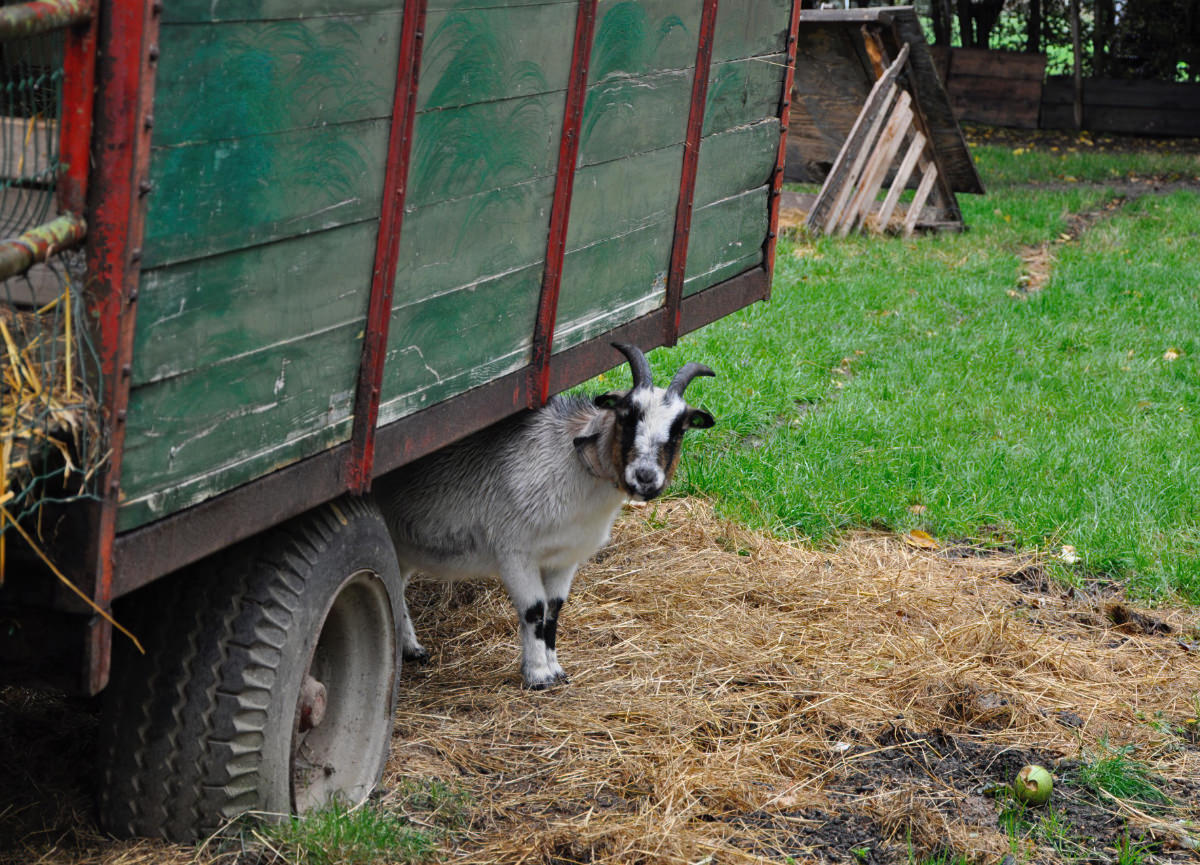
(739, 699)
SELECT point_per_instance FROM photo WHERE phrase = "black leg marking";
(536, 616)
(552, 622)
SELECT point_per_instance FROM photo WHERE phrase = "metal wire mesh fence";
(50, 450)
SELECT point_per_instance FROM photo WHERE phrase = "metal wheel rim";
(354, 660)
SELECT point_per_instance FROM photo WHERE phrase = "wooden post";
(1077, 52)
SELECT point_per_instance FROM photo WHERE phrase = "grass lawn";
(1032, 381)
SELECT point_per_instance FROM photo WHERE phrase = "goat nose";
(644, 475)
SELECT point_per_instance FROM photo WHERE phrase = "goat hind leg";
(410, 648)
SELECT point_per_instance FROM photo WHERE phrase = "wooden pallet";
(886, 125)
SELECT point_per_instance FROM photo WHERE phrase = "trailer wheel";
(268, 683)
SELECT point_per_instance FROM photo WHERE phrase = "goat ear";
(610, 401)
(588, 449)
(698, 418)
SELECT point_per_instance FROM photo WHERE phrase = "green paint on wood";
(150, 506)
(750, 28)
(744, 91)
(219, 196)
(453, 243)
(204, 311)
(206, 11)
(482, 148)
(736, 160)
(727, 237)
(443, 345)
(236, 80)
(633, 38)
(612, 282)
(225, 417)
(484, 55)
(617, 197)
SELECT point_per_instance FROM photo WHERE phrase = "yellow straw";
(67, 327)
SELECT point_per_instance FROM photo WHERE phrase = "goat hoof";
(419, 656)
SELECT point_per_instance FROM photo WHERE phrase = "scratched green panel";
(200, 312)
(234, 80)
(448, 343)
(452, 243)
(218, 196)
(736, 160)
(749, 28)
(727, 238)
(613, 282)
(744, 91)
(623, 195)
(628, 115)
(488, 4)
(482, 148)
(483, 55)
(194, 435)
(634, 38)
(204, 11)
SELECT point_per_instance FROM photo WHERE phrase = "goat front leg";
(557, 583)
(524, 585)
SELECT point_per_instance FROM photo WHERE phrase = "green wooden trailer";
(314, 241)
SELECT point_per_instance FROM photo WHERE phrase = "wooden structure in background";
(1124, 107)
(869, 110)
(998, 88)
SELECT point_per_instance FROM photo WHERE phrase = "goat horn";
(684, 377)
(638, 364)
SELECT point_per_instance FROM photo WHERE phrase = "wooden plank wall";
(268, 161)
(635, 120)
(999, 88)
(1129, 107)
(269, 145)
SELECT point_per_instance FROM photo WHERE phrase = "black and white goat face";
(650, 423)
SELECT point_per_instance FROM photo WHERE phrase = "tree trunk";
(1033, 27)
(966, 29)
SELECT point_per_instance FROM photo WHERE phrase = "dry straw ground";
(738, 699)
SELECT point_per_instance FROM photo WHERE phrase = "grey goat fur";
(530, 499)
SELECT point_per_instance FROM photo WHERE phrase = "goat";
(530, 499)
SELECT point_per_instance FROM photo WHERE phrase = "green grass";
(1112, 771)
(406, 828)
(900, 384)
(336, 835)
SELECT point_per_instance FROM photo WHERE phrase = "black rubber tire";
(205, 725)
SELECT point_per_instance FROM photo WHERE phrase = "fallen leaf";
(921, 540)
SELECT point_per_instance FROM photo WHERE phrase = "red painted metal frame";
(127, 61)
(360, 464)
(677, 270)
(75, 117)
(785, 113)
(560, 212)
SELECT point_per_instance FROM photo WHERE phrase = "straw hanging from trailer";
(49, 443)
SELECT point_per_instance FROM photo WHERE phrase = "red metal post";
(75, 117)
(677, 270)
(361, 462)
(538, 389)
(785, 113)
(119, 190)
